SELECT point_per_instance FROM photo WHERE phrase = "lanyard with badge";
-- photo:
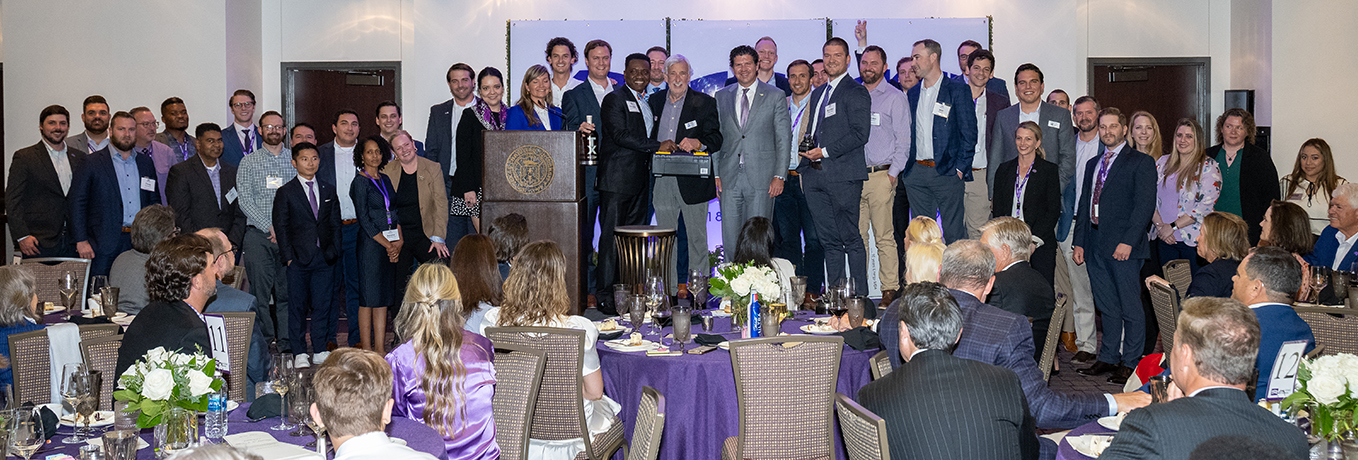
(390, 234)
(1019, 187)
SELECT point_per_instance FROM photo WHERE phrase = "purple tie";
(744, 106)
(1098, 185)
(249, 145)
(315, 207)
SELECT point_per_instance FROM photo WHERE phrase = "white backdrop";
(708, 44)
(528, 43)
(898, 36)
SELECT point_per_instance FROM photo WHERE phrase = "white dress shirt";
(560, 91)
(979, 161)
(599, 91)
(344, 177)
(62, 164)
(452, 148)
(1345, 244)
(245, 133)
(377, 446)
(924, 120)
(1034, 117)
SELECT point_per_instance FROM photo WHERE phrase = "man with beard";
(791, 214)
(943, 142)
(887, 152)
(258, 181)
(389, 121)
(180, 279)
(107, 192)
(39, 182)
(241, 138)
(94, 113)
(202, 189)
(160, 154)
(1086, 113)
(442, 137)
(176, 134)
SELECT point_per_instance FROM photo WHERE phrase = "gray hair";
(152, 225)
(1277, 269)
(931, 315)
(1347, 191)
(675, 59)
(967, 264)
(1009, 231)
(1224, 336)
(214, 452)
(17, 287)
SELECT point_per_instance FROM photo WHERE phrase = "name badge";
(1054, 124)
(148, 184)
(392, 235)
(876, 119)
(273, 182)
(231, 195)
(830, 110)
(942, 109)
(691, 124)
(632, 107)
(1096, 211)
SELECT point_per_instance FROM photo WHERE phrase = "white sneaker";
(319, 358)
(301, 361)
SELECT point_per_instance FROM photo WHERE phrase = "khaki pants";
(977, 203)
(874, 212)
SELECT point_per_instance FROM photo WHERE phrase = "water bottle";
(755, 323)
(214, 423)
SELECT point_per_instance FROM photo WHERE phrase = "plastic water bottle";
(214, 423)
(756, 323)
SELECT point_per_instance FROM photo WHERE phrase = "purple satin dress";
(473, 438)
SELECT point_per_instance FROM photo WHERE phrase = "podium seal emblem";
(529, 169)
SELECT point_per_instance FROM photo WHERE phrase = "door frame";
(289, 85)
(1204, 77)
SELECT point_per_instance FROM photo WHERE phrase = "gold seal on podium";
(529, 169)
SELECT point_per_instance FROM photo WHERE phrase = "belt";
(127, 229)
(873, 169)
(929, 163)
(349, 221)
(977, 169)
(793, 172)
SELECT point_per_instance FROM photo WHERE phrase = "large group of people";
(983, 213)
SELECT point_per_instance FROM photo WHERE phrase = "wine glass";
(798, 284)
(683, 325)
(636, 312)
(1319, 279)
(67, 286)
(28, 433)
(88, 402)
(621, 294)
(655, 294)
(74, 383)
(299, 406)
(697, 288)
(658, 315)
(280, 379)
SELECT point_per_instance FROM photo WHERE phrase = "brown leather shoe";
(887, 297)
(1120, 375)
(1068, 340)
(1083, 357)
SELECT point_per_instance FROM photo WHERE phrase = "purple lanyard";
(183, 148)
(386, 200)
(1019, 186)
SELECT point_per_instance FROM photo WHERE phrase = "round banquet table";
(1066, 452)
(417, 435)
(700, 390)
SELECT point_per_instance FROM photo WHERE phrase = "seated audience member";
(152, 225)
(755, 246)
(1265, 282)
(1222, 242)
(229, 299)
(443, 373)
(939, 406)
(478, 278)
(1335, 248)
(1000, 338)
(1286, 226)
(19, 310)
(1236, 448)
(353, 403)
(535, 295)
(180, 278)
(1019, 288)
(1313, 179)
(922, 230)
(214, 452)
(1213, 356)
(923, 260)
(509, 233)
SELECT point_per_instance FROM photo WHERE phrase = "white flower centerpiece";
(738, 281)
(164, 380)
(1329, 392)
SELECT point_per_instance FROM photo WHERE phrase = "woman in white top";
(1312, 181)
(755, 245)
(535, 295)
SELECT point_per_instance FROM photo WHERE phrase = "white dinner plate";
(817, 330)
(99, 419)
(141, 443)
(53, 309)
(1090, 445)
(1112, 422)
(646, 345)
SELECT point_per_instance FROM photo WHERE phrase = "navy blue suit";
(576, 104)
(309, 245)
(346, 276)
(1278, 323)
(954, 144)
(232, 149)
(836, 187)
(97, 206)
(1127, 203)
(1324, 251)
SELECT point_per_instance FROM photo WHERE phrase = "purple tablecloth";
(1066, 452)
(700, 390)
(416, 434)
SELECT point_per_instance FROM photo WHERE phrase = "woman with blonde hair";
(1145, 135)
(1312, 181)
(922, 230)
(443, 375)
(18, 310)
(1028, 188)
(923, 262)
(1187, 190)
(535, 295)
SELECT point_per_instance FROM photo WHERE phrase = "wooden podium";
(535, 174)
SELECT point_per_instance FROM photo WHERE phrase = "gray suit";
(1058, 141)
(763, 143)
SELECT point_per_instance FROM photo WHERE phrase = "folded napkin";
(49, 420)
(710, 340)
(861, 338)
(81, 320)
(694, 318)
(63, 348)
(269, 405)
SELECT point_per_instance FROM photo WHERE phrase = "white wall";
(1252, 54)
(1312, 77)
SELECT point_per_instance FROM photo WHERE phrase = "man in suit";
(160, 154)
(755, 129)
(1334, 248)
(689, 118)
(1058, 140)
(337, 170)
(1266, 281)
(1019, 289)
(1114, 214)
(943, 143)
(625, 150)
(94, 113)
(306, 219)
(561, 59)
(791, 213)
(1004, 339)
(258, 180)
(180, 278)
(1215, 345)
(441, 138)
(107, 193)
(979, 69)
(203, 191)
(940, 406)
(580, 112)
(767, 51)
(1243, 164)
(886, 154)
(176, 133)
(834, 169)
(242, 137)
(39, 182)
(229, 299)
(995, 85)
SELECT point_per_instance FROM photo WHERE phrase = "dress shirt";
(377, 445)
(1084, 151)
(652, 88)
(452, 148)
(1033, 117)
(246, 134)
(746, 92)
(924, 120)
(129, 183)
(543, 117)
(252, 180)
(979, 161)
(820, 110)
(182, 150)
(1345, 244)
(799, 111)
(1200, 390)
(344, 177)
(62, 164)
(645, 110)
(599, 91)
(214, 173)
(97, 146)
(889, 129)
(558, 92)
(669, 118)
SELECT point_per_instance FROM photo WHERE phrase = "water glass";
(621, 294)
(124, 419)
(89, 399)
(854, 306)
(299, 408)
(1159, 388)
(770, 321)
(637, 314)
(798, 284)
(90, 452)
(707, 322)
(27, 433)
(120, 444)
(178, 431)
(108, 298)
(682, 319)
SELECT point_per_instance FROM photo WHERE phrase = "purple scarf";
(491, 120)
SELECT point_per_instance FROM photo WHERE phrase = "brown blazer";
(433, 197)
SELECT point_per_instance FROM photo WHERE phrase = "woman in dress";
(1029, 188)
(1145, 135)
(535, 103)
(486, 114)
(1185, 193)
(420, 204)
(443, 375)
(535, 295)
(755, 246)
(1312, 181)
(478, 277)
(380, 249)
(19, 311)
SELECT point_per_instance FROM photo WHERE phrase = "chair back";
(235, 278)
(650, 426)
(785, 387)
(1053, 336)
(47, 272)
(864, 432)
(1337, 332)
(1179, 273)
(880, 364)
(1165, 299)
(95, 331)
(240, 329)
(518, 376)
(101, 354)
(32, 366)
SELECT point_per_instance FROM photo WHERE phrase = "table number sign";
(1282, 381)
(216, 333)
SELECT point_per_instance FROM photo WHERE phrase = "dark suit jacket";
(1256, 170)
(1003, 339)
(578, 103)
(779, 80)
(701, 109)
(1041, 197)
(470, 160)
(371, 206)
(197, 206)
(1172, 430)
(625, 148)
(1214, 279)
(1023, 291)
(298, 231)
(938, 406)
(438, 137)
(232, 150)
(955, 135)
(97, 205)
(33, 192)
(1058, 140)
(1278, 323)
(1126, 203)
(844, 135)
(173, 325)
(326, 152)
(1324, 250)
(995, 85)
(994, 103)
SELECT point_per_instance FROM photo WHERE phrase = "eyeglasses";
(149, 124)
(273, 127)
(228, 250)
(242, 105)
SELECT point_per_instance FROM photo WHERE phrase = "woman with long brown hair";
(1312, 181)
(534, 110)
(1185, 193)
(1287, 226)
(478, 276)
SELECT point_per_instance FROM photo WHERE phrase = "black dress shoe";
(1099, 368)
(1120, 375)
(1083, 357)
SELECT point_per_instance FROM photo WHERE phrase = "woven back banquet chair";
(1179, 273)
(518, 376)
(1165, 299)
(240, 329)
(864, 432)
(880, 364)
(96, 331)
(649, 427)
(785, 387)
(47, 272)
(32, 366)
(1053, 336)
(1337, 332)
(235, 278)
(101, 354)
(560, 410)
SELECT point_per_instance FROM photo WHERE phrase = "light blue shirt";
(129, 184)
(645, 111)
(798, 110)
